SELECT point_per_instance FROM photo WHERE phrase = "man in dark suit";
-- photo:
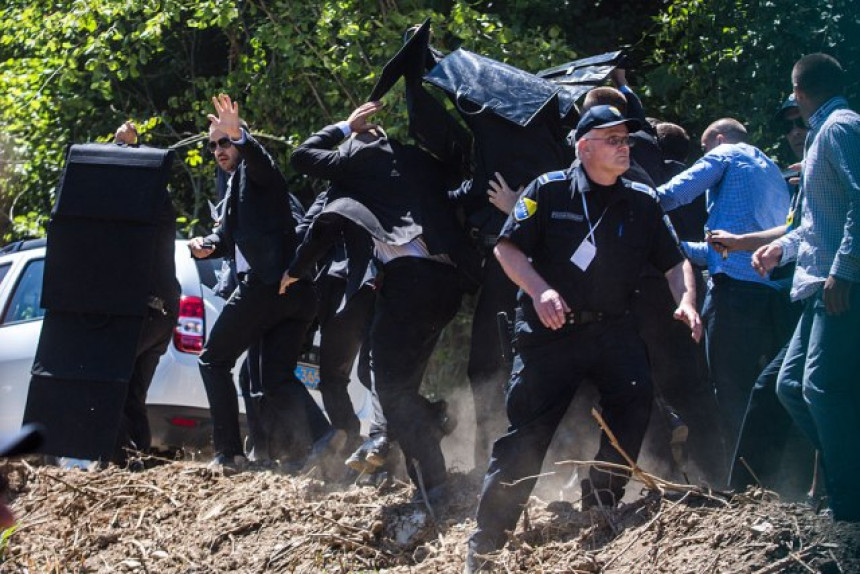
(396, 192)
(258, 231)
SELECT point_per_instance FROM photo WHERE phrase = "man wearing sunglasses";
(576, 243)
(257, 230)
(746, 316)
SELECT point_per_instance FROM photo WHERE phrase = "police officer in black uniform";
(576, 244)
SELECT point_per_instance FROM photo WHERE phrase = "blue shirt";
(826, 242)
(745, 192)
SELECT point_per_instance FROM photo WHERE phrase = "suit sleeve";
(320, 237)
(315, 156)
(260, 167)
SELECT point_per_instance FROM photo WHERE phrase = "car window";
(24, 304)
(4, 269)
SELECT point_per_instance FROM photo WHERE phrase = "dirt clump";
(183, 517)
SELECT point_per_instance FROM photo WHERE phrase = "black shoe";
(478, 553)
(377, 449)
(436, 496)
(598, 498)
(357, 462)
(228, 464)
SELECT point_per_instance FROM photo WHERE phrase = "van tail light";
(190, 332)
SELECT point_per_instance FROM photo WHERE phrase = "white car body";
(177, 403)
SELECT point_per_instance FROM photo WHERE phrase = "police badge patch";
(524, 209)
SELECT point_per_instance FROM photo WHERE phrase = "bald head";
(723, 131)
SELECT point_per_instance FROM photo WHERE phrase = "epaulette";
(641, 187)
(561, 175)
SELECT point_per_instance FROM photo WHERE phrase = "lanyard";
(591, 228)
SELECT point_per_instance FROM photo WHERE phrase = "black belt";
(586, 317)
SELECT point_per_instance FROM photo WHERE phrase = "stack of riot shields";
(100, 258)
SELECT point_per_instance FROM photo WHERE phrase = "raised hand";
(227, 120)
(358, 118)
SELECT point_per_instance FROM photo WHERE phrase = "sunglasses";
(223, 143)
(789, 125)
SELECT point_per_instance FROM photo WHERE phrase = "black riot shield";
(98, 267)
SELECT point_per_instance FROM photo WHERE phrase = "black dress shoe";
(477, 553)
(377, 449)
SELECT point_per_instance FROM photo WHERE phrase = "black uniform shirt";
(548, 224)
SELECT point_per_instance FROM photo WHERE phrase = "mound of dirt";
(182, 517)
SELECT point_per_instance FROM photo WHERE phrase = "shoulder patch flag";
(524, 208)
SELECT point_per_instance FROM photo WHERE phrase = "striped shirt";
(745, 192)
(827, 243)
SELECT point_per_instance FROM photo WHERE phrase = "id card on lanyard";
(587, 250)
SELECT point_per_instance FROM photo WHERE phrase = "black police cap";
(603, 117)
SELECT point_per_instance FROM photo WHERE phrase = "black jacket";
(395, 192)
(257, 215)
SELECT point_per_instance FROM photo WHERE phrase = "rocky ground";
(183, 517)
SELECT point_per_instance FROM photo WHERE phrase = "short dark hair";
(605, 96)
(819, 76)
(674, 141)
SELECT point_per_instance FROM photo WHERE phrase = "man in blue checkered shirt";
(746, 316)
(819, 382)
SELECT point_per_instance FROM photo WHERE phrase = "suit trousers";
(342, 331)
(134, 431)
(488, 372)
(419, 297)
(256, 313)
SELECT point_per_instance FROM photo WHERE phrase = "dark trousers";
(818, 385)
(256, 313)
(251, 386)
(766, 433)
(134, 431)
(746, 324)
(545, 377)
(342, 331)
(680, 377)
(488, 372)
(418, 298)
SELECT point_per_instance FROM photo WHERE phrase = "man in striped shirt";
(819, 382)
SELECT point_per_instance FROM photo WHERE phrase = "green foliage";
(734, 57)
(73, 70)
(5, 536)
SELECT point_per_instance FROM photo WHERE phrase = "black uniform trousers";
(256, 313)
(545, 377)
(419, 297)
(342, 331)
(487, 370)
(134, 431)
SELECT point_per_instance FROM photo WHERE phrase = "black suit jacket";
(257, 215)
(395, 192)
